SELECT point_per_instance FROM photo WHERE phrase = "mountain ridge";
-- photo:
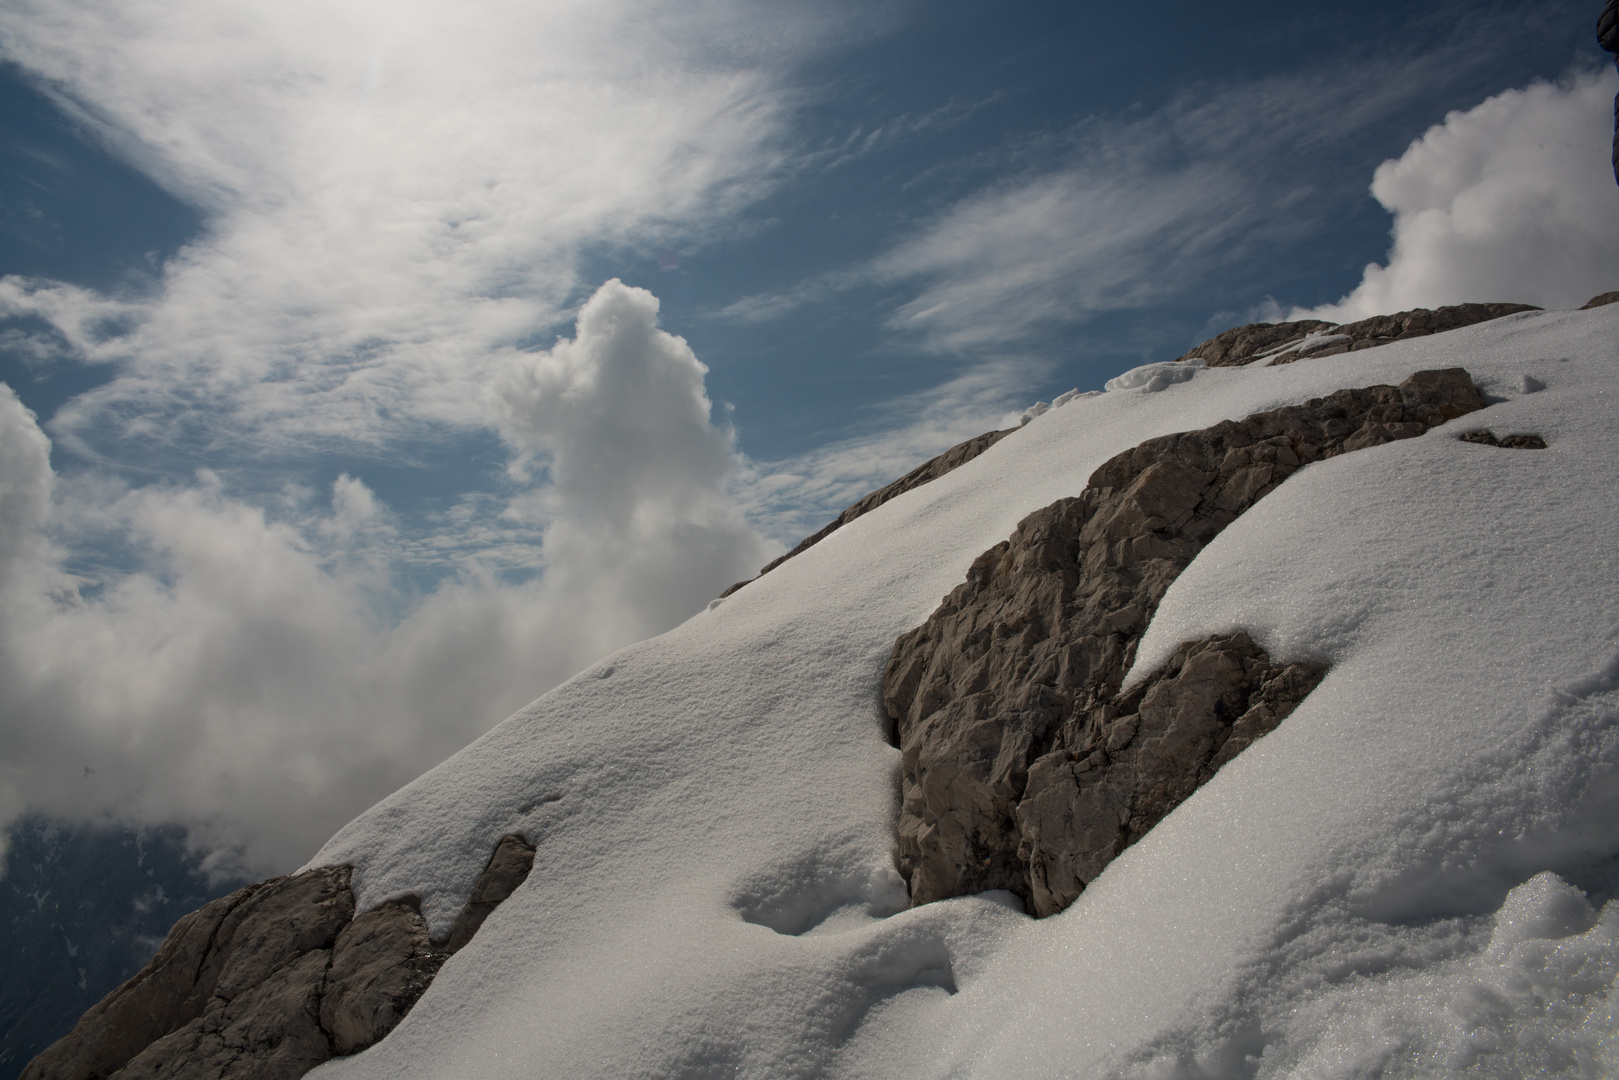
(875, 893)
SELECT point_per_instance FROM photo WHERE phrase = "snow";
(1390, 884)
(1155, 377)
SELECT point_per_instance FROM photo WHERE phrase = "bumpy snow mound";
(714, 892)
(1155, 377)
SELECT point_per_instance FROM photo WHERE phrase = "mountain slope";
(713, 809)
(1364, 891)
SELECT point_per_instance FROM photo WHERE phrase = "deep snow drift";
(1388, 884)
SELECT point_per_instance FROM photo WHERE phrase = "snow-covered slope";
(714, 892)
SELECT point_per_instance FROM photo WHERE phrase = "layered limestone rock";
(928, 471)
(272, 980)
(1283, 343)
(1022, 766)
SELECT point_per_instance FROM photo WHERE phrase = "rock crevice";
(1022, 767)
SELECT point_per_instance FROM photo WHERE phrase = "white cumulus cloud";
(241, 678)
(1512, 200)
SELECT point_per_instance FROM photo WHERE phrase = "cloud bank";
(1511, 200)
(243, 680)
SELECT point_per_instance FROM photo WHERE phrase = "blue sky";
(341, 447)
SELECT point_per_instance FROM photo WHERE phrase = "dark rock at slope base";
(1283, 343)
(928, 471)
(272, 980)
(83, 906)
(1021, 767)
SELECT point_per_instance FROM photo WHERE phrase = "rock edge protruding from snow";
(1021, 767)
(272, 980)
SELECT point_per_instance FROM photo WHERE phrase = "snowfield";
(1407, 878)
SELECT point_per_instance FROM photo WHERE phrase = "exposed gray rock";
(1145, 754)
(272, 980)
(1283, 343)
(275, 925)
(1601, 300)
(1024, 660)
(508, 868)
(271, 1031)
(157, 999)
(1487, 437)
(929, 470)
(1241, 344)
(382, 962)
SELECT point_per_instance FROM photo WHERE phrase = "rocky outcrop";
(272, 980)
(1022, 767)
(1143, 754)
(1283, 343)
(1487, 437)
(508, 868)
(1601, 300)
(929, 470)
(1241, 344)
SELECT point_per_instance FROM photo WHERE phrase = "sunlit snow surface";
(1363, 893)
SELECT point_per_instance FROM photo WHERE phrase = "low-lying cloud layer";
(1511, 200)
(243, 679)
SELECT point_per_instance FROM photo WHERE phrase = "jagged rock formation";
(1022, 768)
(1283, 343)
(272, 980)
(1487, 437)
(1241, 344)
(929, 470)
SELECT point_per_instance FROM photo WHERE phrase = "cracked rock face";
(1021, 766)
(272, 980)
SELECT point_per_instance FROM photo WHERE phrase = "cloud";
(397, 200)
(1511, 200)
(242, 680)
(1062, 247)
(619, 418)
(1125, 213)
(393, 193)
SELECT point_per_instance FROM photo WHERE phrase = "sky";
(371, 369)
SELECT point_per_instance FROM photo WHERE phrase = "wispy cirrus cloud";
(1152, 207)
(393, 193)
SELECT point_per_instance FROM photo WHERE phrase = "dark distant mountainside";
(81, 909)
